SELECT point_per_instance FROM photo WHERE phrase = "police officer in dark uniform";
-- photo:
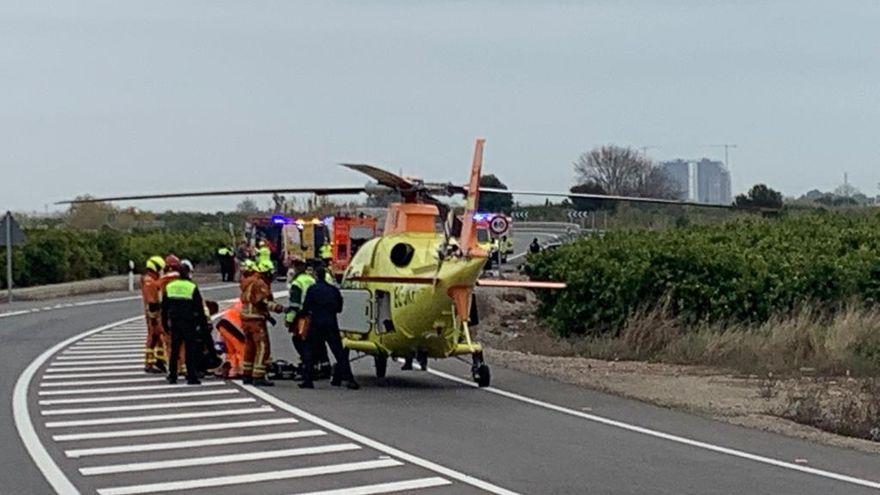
(183, 315)
(322, 303)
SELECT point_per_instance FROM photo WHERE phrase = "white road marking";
(80, 383)
(107, 390)
(97, 435)
(122, 398)
(86, 357)
(146, 407)
(190, 444)
(369, 442)
(98, 362)
(665, 436)
(260, 455)
(98, 368)
(115, 340)
(91, 375)
(159, 417)
(396, 486)
(110, 349)
(25, 426)
(250, 478)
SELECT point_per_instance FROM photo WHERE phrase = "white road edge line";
(259, 455)
(241, 479)
(22, 417)
(95, 302)
(665, 436)
(394, 486)
(369, 442)
(189, 444)
(173, 429)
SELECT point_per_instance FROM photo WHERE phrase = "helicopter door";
(357, 312)
(384, 323)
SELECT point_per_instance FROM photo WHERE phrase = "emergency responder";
(257, 302)
(264, 254)
(169, 274)
(322, 303)
(535, 246)
(151, 291)
(299, 286)
(226, 259)
(326, 253)
(183, 315)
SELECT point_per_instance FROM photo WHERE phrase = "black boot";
(247, 380)
(262, 382)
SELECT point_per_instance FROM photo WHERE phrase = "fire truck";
(289, 238)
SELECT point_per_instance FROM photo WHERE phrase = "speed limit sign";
(499, 225)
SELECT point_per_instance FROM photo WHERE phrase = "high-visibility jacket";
(182, 306)
(326, 251)
(224, 251)
(298, 288)
(151, 291)
(264, 254)
(256, 299)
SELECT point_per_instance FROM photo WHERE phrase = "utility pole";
(727, 148)
(645, 150)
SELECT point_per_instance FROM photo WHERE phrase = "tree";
(624, 172)
(90, 216)
(759, 196)
(585, 204)
(248, 206)
(494, 202)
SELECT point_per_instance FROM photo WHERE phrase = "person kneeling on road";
(183, 315)
(322, 303)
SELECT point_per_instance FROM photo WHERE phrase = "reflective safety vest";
(298, 288)
(180, 289)
(264, 254)
(326, 251)
(224, 251)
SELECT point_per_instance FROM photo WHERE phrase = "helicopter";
(409, 293)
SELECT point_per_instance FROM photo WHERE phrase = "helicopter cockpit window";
(402, 254)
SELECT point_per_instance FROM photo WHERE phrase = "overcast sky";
(107, 97)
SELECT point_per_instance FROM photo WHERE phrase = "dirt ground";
(514, 339)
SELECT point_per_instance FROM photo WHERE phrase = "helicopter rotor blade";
(381, 176)
(606, 197)
(320, 191)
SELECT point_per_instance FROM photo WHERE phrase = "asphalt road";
(415, 432)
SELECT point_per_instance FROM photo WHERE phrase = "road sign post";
(12, 236)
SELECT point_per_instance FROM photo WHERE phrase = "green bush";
(63, 255)
(746, 270)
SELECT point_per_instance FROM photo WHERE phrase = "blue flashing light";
(280, 220)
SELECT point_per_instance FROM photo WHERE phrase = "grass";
(815, 341)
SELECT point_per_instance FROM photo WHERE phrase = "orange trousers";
(235, 347)
(154, 347)
(256, 348)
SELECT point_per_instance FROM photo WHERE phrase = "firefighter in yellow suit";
(257, 303)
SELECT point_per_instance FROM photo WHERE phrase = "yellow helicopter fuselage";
(423, 316)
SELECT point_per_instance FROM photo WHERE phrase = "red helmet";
(172, 262)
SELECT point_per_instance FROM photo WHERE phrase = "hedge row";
(746, 270)
(64, 255)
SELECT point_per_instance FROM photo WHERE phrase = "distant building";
(706, 181)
